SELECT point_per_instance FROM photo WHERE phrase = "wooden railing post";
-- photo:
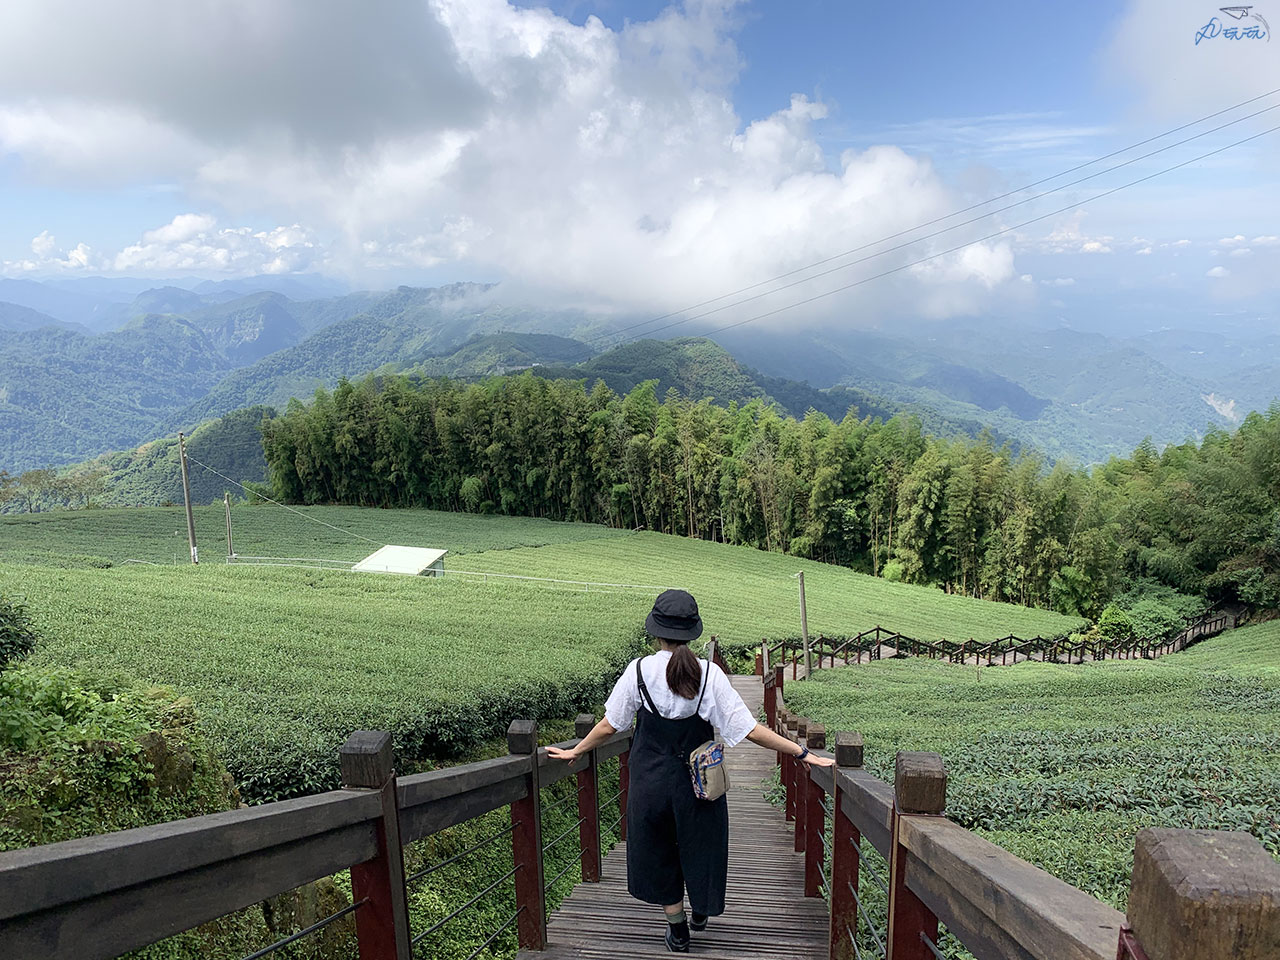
(800, 777)
(588, 805)
(775, 694)
(771, 702)
(815, 821)
(789, 766)
(624, 787)
(1202, 894)
(919, 788)
(846, 853)
(382, 924)
(526, 842)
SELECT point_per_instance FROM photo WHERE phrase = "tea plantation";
(283, 662)
(745, 594)
(159, 534)
(1062, 764)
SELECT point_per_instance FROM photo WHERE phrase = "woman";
(676, 842)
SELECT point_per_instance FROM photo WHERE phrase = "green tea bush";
(1062, 764)
(17, 635)
(285, 663)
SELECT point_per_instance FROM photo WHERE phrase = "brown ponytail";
(684, 673)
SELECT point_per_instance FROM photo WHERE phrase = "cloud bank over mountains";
(602, 166)
(472, 139)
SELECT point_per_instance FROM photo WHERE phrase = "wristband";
(804, 752)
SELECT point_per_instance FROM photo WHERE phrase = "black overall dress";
(675, 842)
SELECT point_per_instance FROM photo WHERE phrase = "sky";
(645, 157)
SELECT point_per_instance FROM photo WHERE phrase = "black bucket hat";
(674, 617)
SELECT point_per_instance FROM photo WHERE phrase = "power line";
(929, 223)
(944, 230)
(263, 496)
(990, 236)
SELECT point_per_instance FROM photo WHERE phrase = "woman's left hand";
(816, 761)
(556, 753)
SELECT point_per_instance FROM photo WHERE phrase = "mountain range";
(97, 365)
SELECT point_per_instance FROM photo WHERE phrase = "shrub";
(83, 755)
(1153, 619)
(17, 635)
(1115, 624)
(892, 571)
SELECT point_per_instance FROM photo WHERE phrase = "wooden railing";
(102, 896)
(836, 651)
(1194, 895)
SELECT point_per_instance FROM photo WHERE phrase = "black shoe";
(678, 937)
(698, 922)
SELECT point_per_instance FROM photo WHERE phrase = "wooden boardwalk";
(766, 913)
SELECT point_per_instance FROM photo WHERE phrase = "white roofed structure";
(408, 561)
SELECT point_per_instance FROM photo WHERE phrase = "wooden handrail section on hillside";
(872, 643)
(1197, 894)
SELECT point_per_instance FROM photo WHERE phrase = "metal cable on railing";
(559, 876)
(877, 936)
(309, 930)
(458, 856)
(878, 878)
(547, 846)
(470, 903)
(933, 947)
(494, 936)
(551, 807)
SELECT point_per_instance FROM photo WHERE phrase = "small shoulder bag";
(706, 763)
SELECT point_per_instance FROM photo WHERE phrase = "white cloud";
(1060, 282)
(595, 166)
(1232, 241)
(44, 244)
(1241, 252)
(47, 258)
(1153, 47)
(1180, 243)
(1069, 236)
(193, 242)
(1266, 241)
(1144, 252)
(1218, 273)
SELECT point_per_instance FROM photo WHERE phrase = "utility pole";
(804, 628)
(226, 502)
(186, 496)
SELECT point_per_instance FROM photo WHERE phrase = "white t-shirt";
(721, 704)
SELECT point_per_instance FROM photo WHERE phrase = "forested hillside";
(1069, 393)
(65, 396)
(881, 497)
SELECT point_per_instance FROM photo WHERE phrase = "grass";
(746, 594)
(1063, 764)
(159, 534)
(282, 664)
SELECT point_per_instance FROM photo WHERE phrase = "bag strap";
(705, 677)
(644, 691)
